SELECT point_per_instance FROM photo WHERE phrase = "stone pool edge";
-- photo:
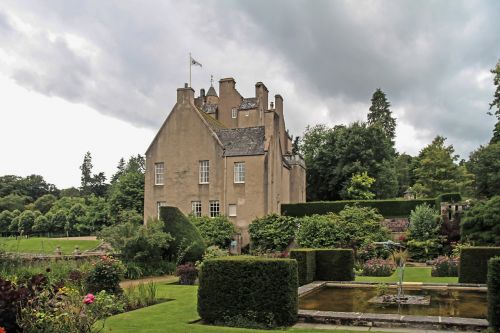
(390, 320)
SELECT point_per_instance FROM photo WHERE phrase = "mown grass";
(175, 316)
(411, 274)
(40, 245)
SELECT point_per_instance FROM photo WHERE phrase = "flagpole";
(190, 69)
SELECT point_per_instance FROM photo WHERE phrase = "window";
(232, 210)
(196, 208)
(158, 205)
(159, 169)
(234, 113)
(204, 172)
(239, 172)
(214, 208)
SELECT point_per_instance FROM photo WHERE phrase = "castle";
(224, 155)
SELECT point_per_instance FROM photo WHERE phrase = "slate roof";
(242, 141)
(209, 108)
(248, 103)
(211, 92)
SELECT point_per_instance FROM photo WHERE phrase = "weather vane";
(211, 80)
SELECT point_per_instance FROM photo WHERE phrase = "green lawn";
(412, 274)
(46, 245)
(174, 316)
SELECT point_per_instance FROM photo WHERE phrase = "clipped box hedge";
(334, 264)
(494, 293)
(388, 208)
(306, 264)
(473, 266)
(248, 289)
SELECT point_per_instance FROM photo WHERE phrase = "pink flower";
(89, 299)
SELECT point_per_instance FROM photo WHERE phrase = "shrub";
(423, 223)
(210, 253)
(105, 275)
(272, 232)
(494, 293)
(334, 265)
(480, 223)
(445, 266)
(378, 267)
(187, 273)
(187, 239)
(473, 267)
(387, 208)
(269, 287)
(306, 264)
(216, 231)
(422, 251)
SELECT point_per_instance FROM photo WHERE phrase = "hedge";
(306, 264)
(186, 235)
(494, 294)
(246, 289)
(334, 264)
(388, 208)
(473, 266)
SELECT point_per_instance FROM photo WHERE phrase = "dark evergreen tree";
(381, 115)
(120, 169)
(496, 103)
(86, 178)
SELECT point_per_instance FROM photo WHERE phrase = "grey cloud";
(321, 55)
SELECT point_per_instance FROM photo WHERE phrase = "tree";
(91, 183)
(33, 186)
(127, 193)
(42, 224)
(360, 187)
(70, 192)
(436, 171)
(334, 155)
(381, 115)
(481, 223)
(45, 202)
(485, 165)
(59, 220)
(423, 223)
(496, 103)
(25, 221)
(386, 185)
(272, 232)
(12, 202)
(6, 218)
(120, 169)
(404, 165)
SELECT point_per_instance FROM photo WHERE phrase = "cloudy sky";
(102, 75)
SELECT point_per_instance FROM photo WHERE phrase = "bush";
(473, 266)
(387, 208)
(494, 293)
(272, 232)
(269, 289)
(188, 245)
(423, 223)
(187, 273)
(378, 267)
(216, 231)
(422, 251)
(334, 265)
(105, 275)
(445, 266)
(480, 224)
(306, 264)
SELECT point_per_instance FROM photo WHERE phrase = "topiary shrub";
(494, 293)
(188, 245)
(306, 263)
(473, 267)
(334, 265)
(216, 231)
(248, 291)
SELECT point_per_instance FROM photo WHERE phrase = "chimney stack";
(262, 95)
(185, 95)
(202, 93)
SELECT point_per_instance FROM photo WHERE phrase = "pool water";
(444, 302)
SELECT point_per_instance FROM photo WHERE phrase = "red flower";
(3, 330)
(88, 299)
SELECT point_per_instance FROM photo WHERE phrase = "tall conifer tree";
(380, 114)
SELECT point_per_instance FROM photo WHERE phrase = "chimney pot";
(185, 85)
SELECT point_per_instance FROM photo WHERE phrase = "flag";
(195, 63)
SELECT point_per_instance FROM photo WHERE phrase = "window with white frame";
(234, 113)
(159, 171)
(239, 172)
(160, 204)
(232, 210)
(196, 208)
(214, 208)
(204, 172)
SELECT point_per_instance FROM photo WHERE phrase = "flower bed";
(378, 267)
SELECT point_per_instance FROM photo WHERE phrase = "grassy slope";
(174, 316)
(46, 245)
(412, 274)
